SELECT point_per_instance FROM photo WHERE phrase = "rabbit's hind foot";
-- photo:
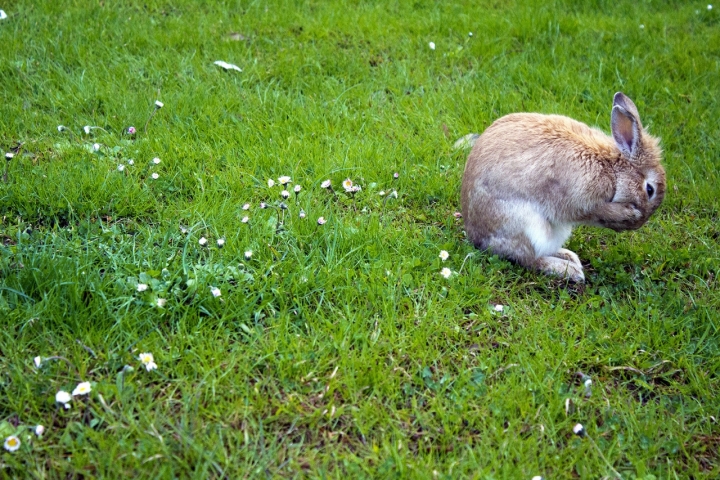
(566, 266)
(568, 255)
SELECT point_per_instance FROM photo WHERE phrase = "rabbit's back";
(559, 164)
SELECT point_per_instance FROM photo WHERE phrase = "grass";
(339, 350)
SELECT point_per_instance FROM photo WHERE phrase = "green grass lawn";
(338, 350)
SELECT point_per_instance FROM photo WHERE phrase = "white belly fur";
(546, 238)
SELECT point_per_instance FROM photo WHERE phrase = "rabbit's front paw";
(620, 216)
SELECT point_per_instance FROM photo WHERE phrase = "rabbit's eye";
(650, 190)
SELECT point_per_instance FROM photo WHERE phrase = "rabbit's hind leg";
(520, 250)
(519, 231)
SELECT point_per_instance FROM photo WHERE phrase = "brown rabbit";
(530, 178)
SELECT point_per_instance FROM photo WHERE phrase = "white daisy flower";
(263, 205)
(9, 156)
(248, 254)
(302, 214)
(431, 45)
(215, 292)
(3, 15)
(142, 287)
(297, 189)
(347, 184)
(444, 255)
(131, 162)
(155, 176)
(86, 129)
(325, 184)
(355, 189)
(321, 221)
(121, 167)
(499, 308)
(285, 194)
(39, 430)
(470, 34)
(284, 180)
(148, 361)
(161, 302)
(12, 443)
(63, 397)
(271, 182)
(709, 7)
(446, 272)
(159, 104)
(246, 206)
(537, 477)
(202, 241)
(83, 388)
(245, 219)
(37, 361)
(579, 430)
(156, 161)
(183, 229)
(396, 175)
(61, 128)
(220, 242)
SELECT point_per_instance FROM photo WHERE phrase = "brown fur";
(530, 178)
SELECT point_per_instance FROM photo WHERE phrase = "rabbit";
(530, 178)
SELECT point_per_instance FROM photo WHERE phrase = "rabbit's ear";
(625, 102)
(625, 130)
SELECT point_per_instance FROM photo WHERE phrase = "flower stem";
(152, 114)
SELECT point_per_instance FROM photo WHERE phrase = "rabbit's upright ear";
(625, 124)
(625, 102)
